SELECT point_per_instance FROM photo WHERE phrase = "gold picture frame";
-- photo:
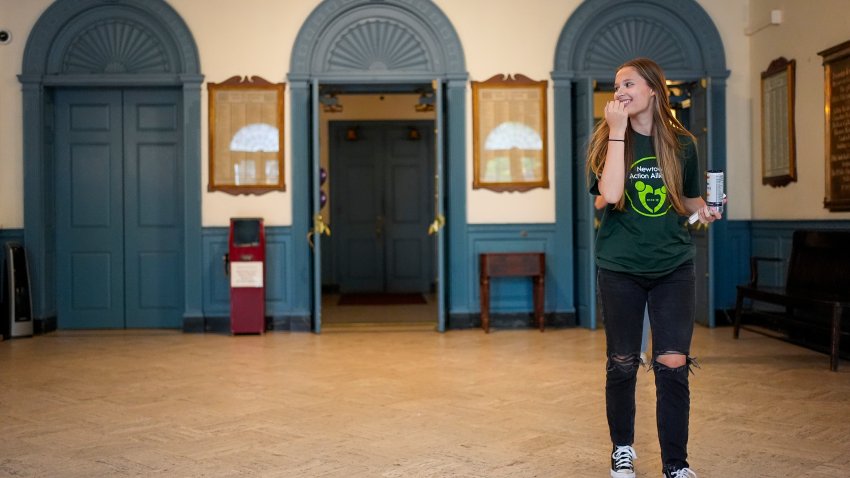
(836, 70)
(509, 134)
(246, 136)
(778, 143)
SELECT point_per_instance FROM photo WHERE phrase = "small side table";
(512, 264)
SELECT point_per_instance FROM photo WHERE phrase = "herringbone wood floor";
(398, 401)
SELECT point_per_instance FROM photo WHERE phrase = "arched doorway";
(599, 36)
(144, 45)
(375, 45)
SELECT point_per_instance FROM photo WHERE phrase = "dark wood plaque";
(509, 151)
(246, 136)
(778, 150)
(836, 64)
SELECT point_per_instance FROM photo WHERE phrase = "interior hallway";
(398, 401)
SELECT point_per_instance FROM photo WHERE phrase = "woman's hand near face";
(612, 180)
(617, 118)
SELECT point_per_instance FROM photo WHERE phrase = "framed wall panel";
(246, 136)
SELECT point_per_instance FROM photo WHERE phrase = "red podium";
(247, 253)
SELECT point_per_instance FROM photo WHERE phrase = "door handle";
(439, 223)
(319, 227)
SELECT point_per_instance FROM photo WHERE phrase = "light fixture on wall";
(330, 103)
(413, 133)
(351, 134)
(425, 103)
(776, 18)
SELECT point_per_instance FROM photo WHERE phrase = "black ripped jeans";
(670, 300)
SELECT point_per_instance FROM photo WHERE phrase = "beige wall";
(504, 39)
(498, 39)
(18, 17)
(806, 29)
(259, 43)
(730, 18)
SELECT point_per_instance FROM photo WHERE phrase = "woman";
(643, 162)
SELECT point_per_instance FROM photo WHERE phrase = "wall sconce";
(425, 103)
(330, 103)
(351, 133)
(413, 133)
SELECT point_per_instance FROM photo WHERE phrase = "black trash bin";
(17, 301)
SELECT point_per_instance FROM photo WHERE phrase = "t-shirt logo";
(646, 191)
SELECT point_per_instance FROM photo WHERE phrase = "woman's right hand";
(617, 118)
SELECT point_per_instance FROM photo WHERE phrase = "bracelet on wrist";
(613, 139)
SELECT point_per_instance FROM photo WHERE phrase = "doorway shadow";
(380, 316)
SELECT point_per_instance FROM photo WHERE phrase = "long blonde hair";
(666, 130)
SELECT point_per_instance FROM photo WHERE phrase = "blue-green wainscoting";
(511, 298)
(773, 239)
(280, 284)
(11, 235)
(756, 238)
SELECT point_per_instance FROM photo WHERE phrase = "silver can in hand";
(714, 190)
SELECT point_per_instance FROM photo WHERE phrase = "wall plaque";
(778, 150)
(509, 134)
(246, 136)
(836, 68)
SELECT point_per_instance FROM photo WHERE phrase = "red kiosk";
(247, 257)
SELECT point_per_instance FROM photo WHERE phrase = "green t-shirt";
(648, 238)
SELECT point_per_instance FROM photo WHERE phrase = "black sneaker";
(671, 471)
(622, 462)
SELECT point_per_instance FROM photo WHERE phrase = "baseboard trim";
(555, 320)
(44, 325)
(221, 325)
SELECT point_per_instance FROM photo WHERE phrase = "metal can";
(714, 189)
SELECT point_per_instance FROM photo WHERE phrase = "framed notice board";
(778, 150)
(246, 136)
(836, 70)
(509, 134)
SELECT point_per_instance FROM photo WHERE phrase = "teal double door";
(119, 208)
(382, 200)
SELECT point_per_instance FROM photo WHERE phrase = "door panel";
(407, 181)
(698, 124)
(357, 203)
(154, 209)
(89, 209)
(438, 193)
(586, 300)
(119, 208)
(381, 199)
(316, 232)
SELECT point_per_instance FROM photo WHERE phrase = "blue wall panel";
(216, 289)
(733, 266)
(279, 282)
(511, 294)
(757, 238)
(11, 235)
(773, 239)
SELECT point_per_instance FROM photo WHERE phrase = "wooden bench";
(817, 286)
(513, 264)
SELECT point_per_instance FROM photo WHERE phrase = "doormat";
(381, 299)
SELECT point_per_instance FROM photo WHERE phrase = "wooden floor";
(398, 400)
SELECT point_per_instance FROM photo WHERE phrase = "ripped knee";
(672, 360)
(623, 363)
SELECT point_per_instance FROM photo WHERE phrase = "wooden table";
(512, 264)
